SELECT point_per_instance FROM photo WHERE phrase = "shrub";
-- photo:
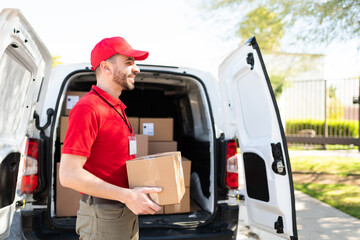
(336, 128)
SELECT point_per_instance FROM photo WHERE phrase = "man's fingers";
(155, 207)
(151, 189)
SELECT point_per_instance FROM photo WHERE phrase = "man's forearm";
(74, 176)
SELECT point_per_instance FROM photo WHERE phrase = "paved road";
(15, 228)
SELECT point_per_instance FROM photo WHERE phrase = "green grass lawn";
(342, 166)
(341, 196)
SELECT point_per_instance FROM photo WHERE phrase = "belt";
(96, 200)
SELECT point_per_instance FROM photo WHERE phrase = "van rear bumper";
(223, 225)
(224, 234)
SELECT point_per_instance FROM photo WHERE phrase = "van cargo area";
(169, 95)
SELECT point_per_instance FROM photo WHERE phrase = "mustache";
(132, 75)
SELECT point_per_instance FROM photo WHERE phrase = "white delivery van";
(212, 118)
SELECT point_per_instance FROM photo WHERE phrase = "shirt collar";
(108, 97)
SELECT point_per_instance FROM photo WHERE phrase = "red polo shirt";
(98, 132)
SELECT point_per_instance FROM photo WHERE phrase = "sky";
(176, 33)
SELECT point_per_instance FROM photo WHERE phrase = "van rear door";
(252, 116)
(25, 65)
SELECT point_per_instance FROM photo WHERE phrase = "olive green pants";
(106, 222)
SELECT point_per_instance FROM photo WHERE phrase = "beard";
(122, 80)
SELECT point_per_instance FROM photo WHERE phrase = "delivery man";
(98, 142)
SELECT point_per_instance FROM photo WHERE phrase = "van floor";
(174, 220)
(192, 219)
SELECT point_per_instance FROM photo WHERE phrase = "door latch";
(278, 165)
(279, 225)
(250, 60)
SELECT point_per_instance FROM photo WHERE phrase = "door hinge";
(278, 165)
(250, 60)
(279, 225)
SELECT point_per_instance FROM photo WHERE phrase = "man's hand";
(140, 203)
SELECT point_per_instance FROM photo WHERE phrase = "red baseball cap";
(108, 47)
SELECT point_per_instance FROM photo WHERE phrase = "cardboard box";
(186, 164)
(182, 207)
(142, 145)
(71, 98)
(161, 147)
(158, 129)
(64, 123)
(134, 121)
(67, 200)
(159, 170)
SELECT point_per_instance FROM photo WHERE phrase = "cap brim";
(136, 54)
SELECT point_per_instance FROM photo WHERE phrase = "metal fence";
(321, 111)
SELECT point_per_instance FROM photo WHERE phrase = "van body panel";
(25, 64)
(255, 122)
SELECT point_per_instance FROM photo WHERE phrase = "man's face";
(125, 71)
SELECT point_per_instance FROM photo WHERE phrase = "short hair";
(110, 59)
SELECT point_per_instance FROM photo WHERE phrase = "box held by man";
(159, 170)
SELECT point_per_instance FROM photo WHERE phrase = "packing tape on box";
(181, 169)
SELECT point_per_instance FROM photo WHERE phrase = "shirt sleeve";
(81, 132)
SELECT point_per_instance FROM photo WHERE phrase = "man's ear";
(105, 67)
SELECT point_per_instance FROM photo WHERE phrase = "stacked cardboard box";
(142, 141)
(72, 97)
(67, 200)
(134, 121)
(142, 145)
(161, 134)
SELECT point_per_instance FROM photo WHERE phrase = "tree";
(335, 109)
(56, 61)
(321, 20)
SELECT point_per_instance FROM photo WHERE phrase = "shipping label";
(71, 101)
(148, 129)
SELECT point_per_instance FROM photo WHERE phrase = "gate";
(322, 111)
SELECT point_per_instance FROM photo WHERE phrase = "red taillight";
(231, 171)
(29, 179)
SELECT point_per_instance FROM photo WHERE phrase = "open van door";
(253, 118)
(25, 65)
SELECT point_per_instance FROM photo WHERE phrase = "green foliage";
(265, 25)
(320, 20)
(342, 166)
(348, 128)
(336, 110)
(56, 61)
(278, 83)
(343, 197)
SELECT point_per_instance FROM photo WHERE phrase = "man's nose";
(136, 69)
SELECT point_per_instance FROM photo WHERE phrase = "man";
(97, 145)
